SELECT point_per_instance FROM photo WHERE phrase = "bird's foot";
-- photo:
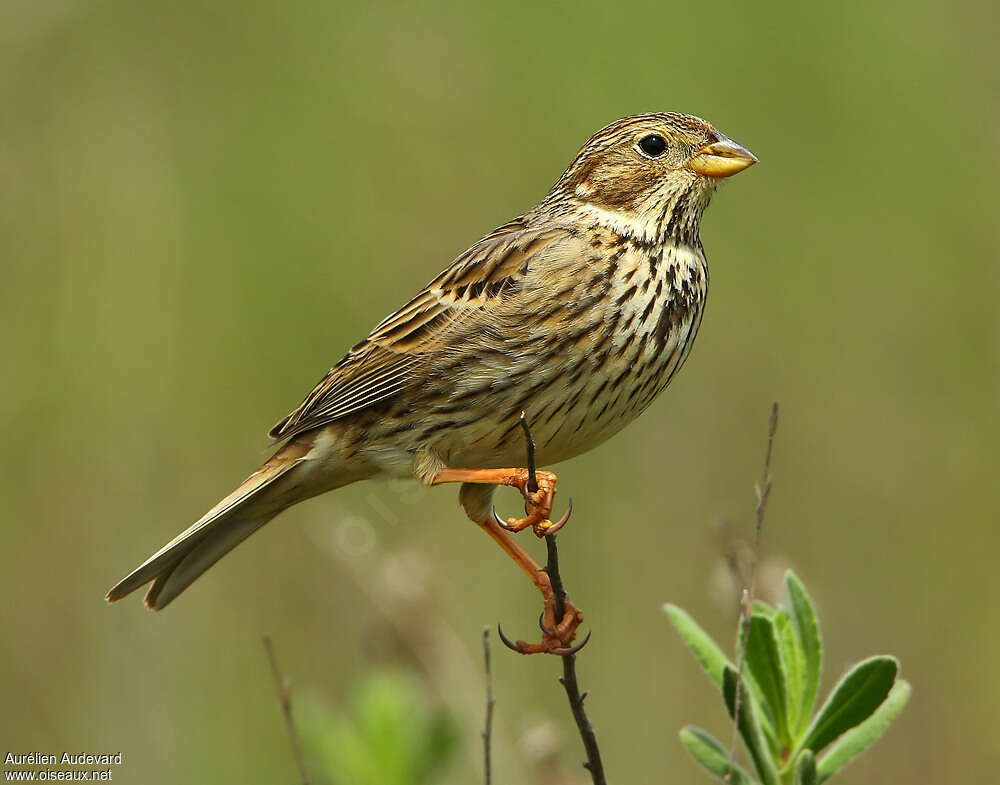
(537, 504)
(556, 638)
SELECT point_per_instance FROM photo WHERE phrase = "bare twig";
(762, 490)
(569, 682)
(285, 699)
(488, 726)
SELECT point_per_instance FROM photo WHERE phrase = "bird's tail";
(265, 493)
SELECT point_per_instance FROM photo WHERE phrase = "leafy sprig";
(788, 741)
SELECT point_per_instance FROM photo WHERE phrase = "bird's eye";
(653, 145)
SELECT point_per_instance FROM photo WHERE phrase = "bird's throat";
(670, 218)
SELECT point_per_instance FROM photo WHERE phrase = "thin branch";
(488, 726)
(569, 682)
(285, 699)
(762, 490)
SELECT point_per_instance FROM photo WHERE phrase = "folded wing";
(393, 356)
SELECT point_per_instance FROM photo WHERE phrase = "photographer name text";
(76, 760)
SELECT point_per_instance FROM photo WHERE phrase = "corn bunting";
(577, 313)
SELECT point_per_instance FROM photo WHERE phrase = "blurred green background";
(205, 204)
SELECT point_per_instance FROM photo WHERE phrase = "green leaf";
(711, 657)
(749, 727)
(765, 715)
(805, 769)
(703, 647)
(764, 662)
(713, 756)
(858, 739)
(807, 626)
(793, 660)
(853, 700)
(758, 606)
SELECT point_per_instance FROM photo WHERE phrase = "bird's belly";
(614, 397)
(578, 400)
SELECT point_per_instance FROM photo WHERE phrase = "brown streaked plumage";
(578, 312)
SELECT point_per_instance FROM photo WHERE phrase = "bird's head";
(649, 175)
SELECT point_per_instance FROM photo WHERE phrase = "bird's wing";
(390, 358)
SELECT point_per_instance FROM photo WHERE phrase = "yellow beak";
(721, 158)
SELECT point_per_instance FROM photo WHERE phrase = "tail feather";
(181, 574)
(178, 563)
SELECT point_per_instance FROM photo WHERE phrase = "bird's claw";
(540, 525)
(556, 638)
(538, 490)
(541, 648)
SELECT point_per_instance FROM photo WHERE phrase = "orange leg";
(477, 489)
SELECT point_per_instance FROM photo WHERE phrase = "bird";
(575, 315)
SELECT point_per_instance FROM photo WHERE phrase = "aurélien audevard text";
(64, 759)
